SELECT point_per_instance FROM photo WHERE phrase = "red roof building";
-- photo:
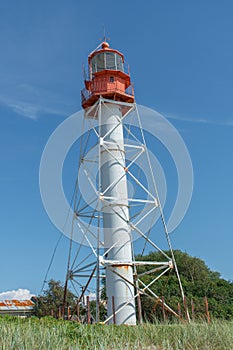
(17, 307)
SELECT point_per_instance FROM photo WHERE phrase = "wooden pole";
(139, 309)
(163, 309)
(88, 310)
(78, 310)
(207, 310)
(113, 310)
(59, 312)
(186, 309)
(193, 309)
(64, 299)
(179, 311)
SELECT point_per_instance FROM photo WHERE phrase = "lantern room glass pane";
(119, 63)
(106, 60)
(110, 60)
(100, 62)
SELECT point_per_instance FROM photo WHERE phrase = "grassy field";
(46, 334)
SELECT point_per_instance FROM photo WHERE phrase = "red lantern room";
(108, 77)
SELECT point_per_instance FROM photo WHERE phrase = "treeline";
(207, 294)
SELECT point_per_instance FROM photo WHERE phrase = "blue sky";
(180, 54)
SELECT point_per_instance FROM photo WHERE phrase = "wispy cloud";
(27, 109)
(224, 122)
(19, 294)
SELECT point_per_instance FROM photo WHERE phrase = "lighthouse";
(107, 97)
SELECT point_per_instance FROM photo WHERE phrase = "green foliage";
(52, 299)
(198, 282)
(197, 279)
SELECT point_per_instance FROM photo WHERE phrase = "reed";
(48, 333)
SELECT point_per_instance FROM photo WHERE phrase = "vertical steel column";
(119, 284)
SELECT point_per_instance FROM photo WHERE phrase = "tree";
(52, 299)
(198, 282)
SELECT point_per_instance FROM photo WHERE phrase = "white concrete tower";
(109, 89)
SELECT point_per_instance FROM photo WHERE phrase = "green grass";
(47, 333)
